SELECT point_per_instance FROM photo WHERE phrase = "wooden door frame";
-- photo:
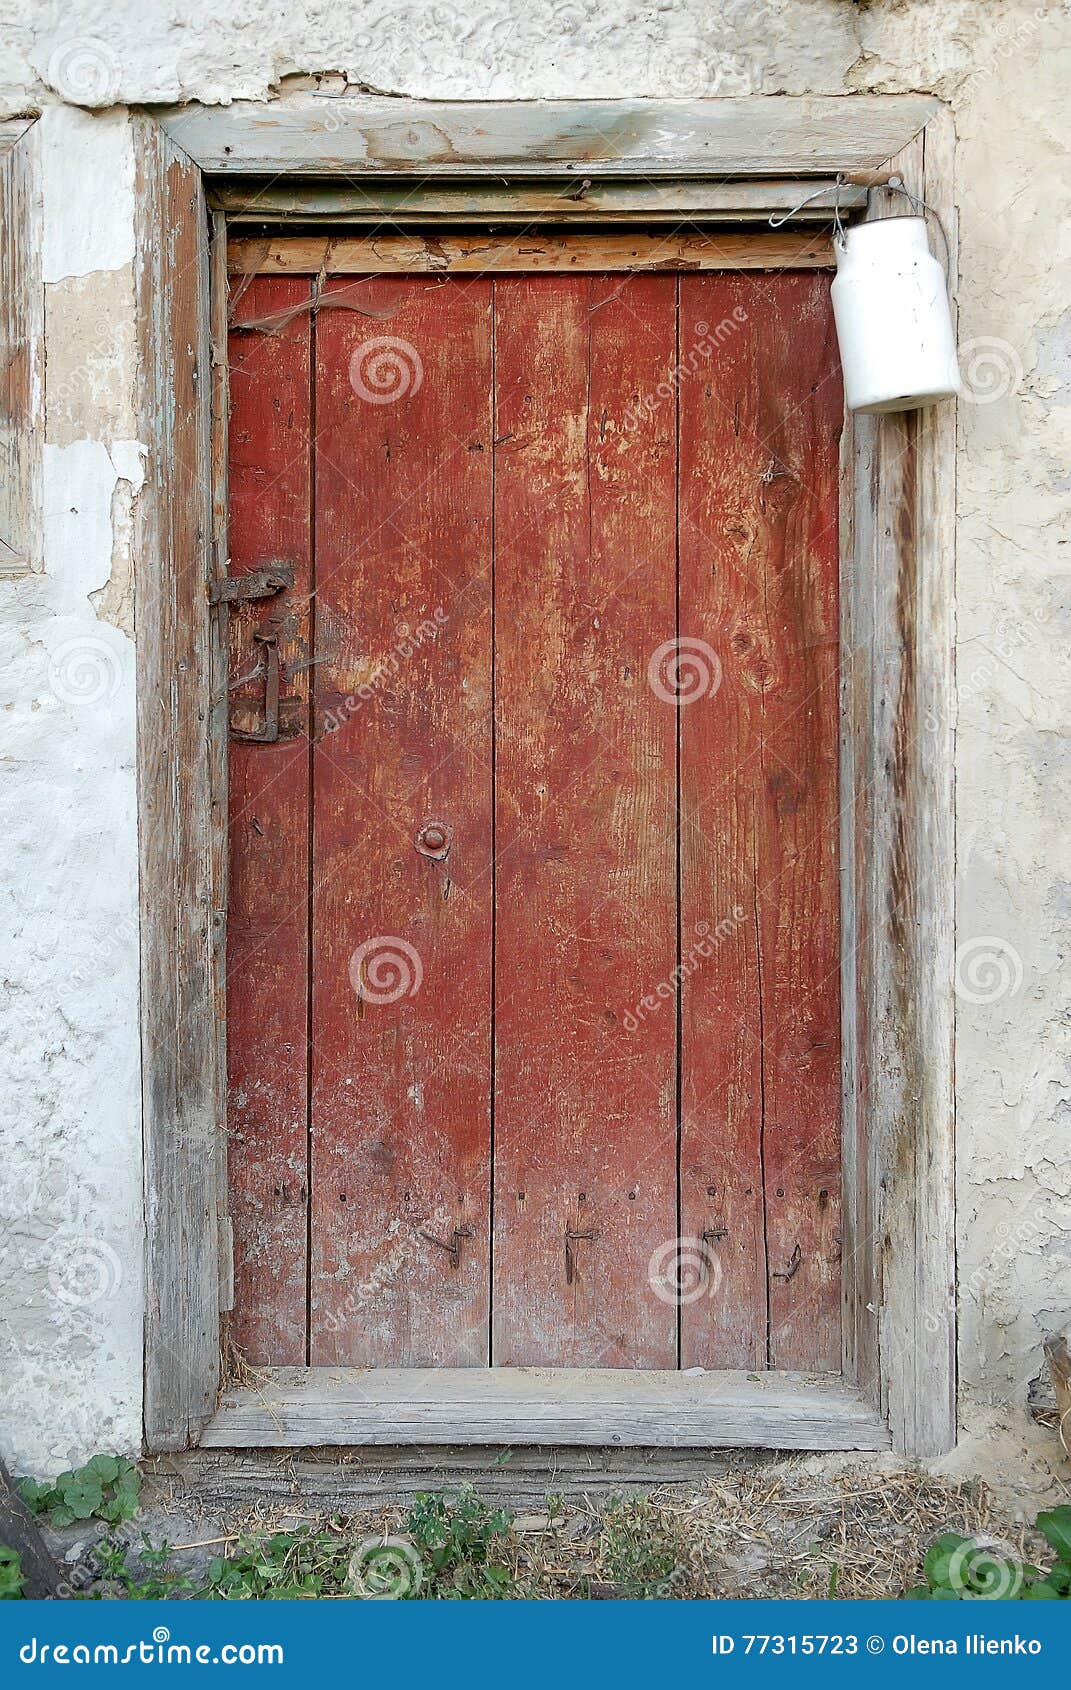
(731, 159)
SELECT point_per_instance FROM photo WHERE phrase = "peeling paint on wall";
(69, 1088)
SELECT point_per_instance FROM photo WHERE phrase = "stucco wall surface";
(70, 1185)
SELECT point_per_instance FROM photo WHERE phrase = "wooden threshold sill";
(297, 1407)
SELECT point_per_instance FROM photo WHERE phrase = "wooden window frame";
(313, 157)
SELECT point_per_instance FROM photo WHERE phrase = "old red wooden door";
(533, 947)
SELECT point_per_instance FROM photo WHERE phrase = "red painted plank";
(268, 807)
(760, 1018)
(401, 1055)
(585, 1134)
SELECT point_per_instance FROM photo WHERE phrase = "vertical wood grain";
(267, 929)
(720, 727)
(401, 1056)
(759, 581)
(585, 1138)
(180, 1044)
(899, 477)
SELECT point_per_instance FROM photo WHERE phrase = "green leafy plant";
(12, 1577)
(964, 1569)
(640, 1559)
(106, 1488)
(152, 1580)
(288, 1566)
(457, 1539)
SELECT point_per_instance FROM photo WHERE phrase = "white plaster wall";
(71, 1181)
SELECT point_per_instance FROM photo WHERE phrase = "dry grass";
(794, 1528)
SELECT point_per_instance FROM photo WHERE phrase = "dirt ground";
(755, 1526)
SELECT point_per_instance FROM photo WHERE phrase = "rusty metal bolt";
(433, 840)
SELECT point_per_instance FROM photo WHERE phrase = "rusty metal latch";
(257, 584)
(573, 1237)
(268, 732)
(451, 1245)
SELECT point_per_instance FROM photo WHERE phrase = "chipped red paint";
(499, 754)
(267, 930)
(761, 1018)
(585, 1112)
(401, 1090)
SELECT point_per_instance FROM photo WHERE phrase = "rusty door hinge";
(451, 1245)
(257, 584)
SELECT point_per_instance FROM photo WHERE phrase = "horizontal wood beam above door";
(299, 1407)
(330, 134)
(303, 255)
(410, 202)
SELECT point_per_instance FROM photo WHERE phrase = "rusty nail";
(433, 840)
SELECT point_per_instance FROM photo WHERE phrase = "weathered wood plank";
(899, 837)
(299, 1408)
(401, 912)
(534, 250)
(218, 721)
(585, 801)
(752, 136)
(21, 348)
(268, 820)
(416, 201)
(722, 1215)
(791, 419)
(759, 429)
(348, 1480)
(19, 1531)
(180, 1047)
